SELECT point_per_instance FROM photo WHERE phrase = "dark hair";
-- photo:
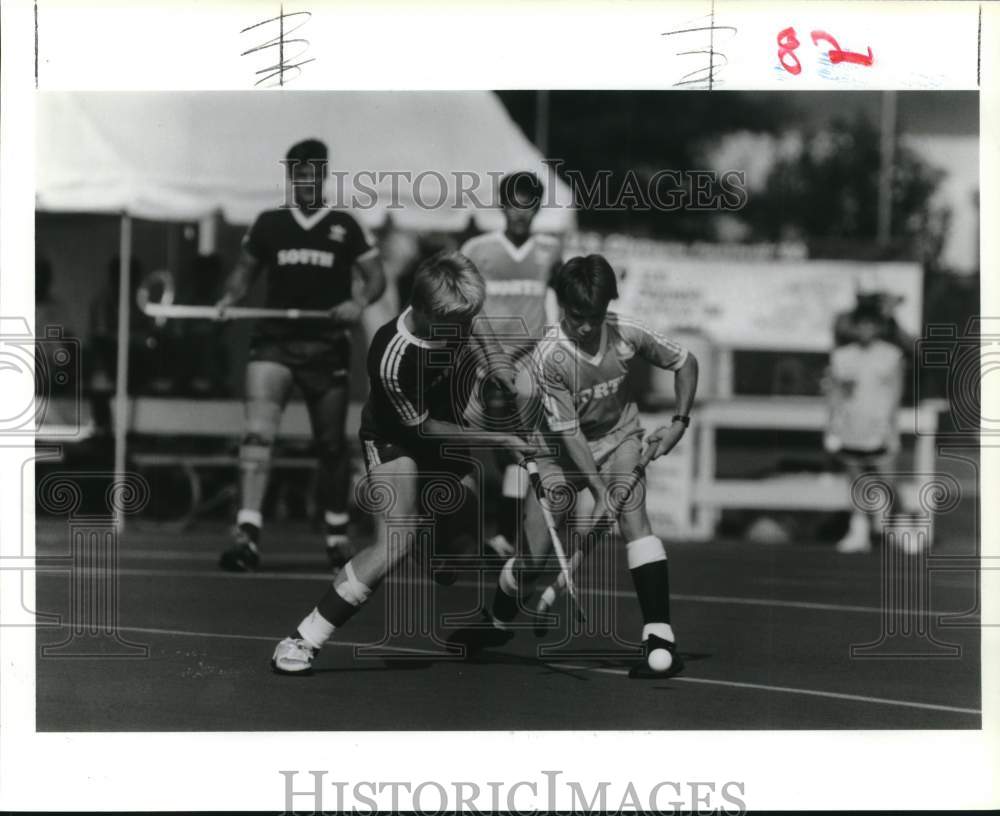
(522, 184)
(308, 150)
(867, 309)
(586, 283)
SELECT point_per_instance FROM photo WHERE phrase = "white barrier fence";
(688, 498)
(685, 497)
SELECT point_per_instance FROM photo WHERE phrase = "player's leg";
(878, 467)
(858, 536)
(647, 564)
(513, 486)
(327, 406)
(520, 414)
(498, 410)
(649, 567)
(268, 385)
(521, 574)
(396, 481)
(459, 529)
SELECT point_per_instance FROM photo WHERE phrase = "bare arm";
(576, 448)
(685, 386)
(367, 286)
(368, 275)
(240, 280)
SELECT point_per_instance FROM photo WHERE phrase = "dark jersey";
(309, 261)
(412, 379)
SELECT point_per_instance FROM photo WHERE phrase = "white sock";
(859, 525)
(661, 630)
(248, 516)
(507, 580)
(336, 519)
(315, 629)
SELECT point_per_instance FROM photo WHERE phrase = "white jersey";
(517, 279)
(590, 392)
(868, 379)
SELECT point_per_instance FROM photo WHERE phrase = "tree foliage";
(828, 196)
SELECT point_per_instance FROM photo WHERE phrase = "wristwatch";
(682, 418)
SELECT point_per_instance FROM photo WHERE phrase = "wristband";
(684, 419)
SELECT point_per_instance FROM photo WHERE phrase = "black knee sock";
(335, 609)
(652, 586)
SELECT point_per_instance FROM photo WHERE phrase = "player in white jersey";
(865, 384)
(517, 266)
(593, 435)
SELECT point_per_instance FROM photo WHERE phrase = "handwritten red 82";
(788, 42)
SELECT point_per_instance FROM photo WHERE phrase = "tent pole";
(121, 377)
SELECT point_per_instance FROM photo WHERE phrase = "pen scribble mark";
(279, 73)
(707, 73)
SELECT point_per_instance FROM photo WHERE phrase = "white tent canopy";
(183, 156)
(186, 156)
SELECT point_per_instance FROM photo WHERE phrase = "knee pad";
(351, 589)
(644, 551)
(255, 450)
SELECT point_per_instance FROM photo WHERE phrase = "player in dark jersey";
(316, 258)
(518, 266)
(418, 412)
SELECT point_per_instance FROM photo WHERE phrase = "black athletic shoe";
(243, 555)
(484, 636)
(642, 671)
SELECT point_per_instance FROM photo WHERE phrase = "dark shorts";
(379, 451)
(317, 365)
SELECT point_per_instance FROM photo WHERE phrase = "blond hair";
(448, 285)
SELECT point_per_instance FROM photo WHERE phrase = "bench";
(220, 420)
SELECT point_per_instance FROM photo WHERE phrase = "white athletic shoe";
(850, 544)
(293, 656)
(501, 546)
(858, 538)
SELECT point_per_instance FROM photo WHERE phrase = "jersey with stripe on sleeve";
(309, 261)
(517, 279)
(591, 392)
(411, 380)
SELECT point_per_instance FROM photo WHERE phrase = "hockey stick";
(551, 593)
(543, 502)
(167, 309)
